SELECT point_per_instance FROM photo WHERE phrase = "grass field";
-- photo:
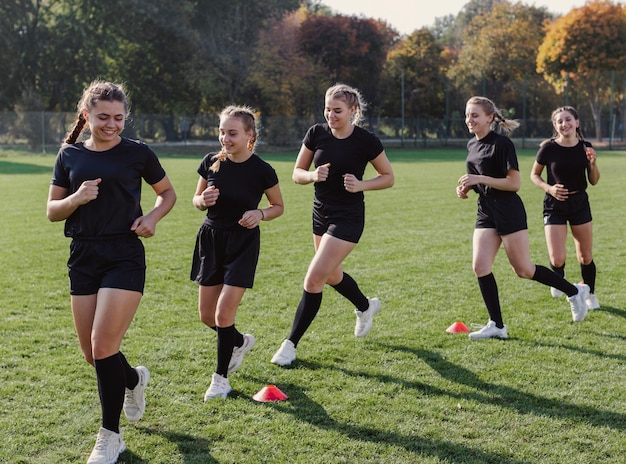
(409, 392)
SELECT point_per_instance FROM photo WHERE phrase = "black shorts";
(106, 263)
(343, 222)
(226, 256)
(575, 210)
(506, 214)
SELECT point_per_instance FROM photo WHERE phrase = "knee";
(524, 272)
(207, 319)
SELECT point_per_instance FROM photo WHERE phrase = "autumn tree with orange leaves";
(585, 47)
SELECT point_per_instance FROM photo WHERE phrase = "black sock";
(588, 272)
(349, 289)
(225, 345)
(558, 270)
(552, 279)
(305, 313)
(111, 384)
(132, 378)
(238, 337)
(489, 290)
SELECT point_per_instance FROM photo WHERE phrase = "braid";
(505, 125)
(72, 136)
(221, 156)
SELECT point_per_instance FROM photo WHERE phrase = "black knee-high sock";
(307, 310)
(111, 384)
(349, 289)
(225, 345)
(552, 279)
(588, 272)
(489, 291)
(132, 378)
(238, 336)
(559, 270)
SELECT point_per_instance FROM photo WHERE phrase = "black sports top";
(346, 156)
(241, 187)
(493, 155)
(121, 169)
(565, 165)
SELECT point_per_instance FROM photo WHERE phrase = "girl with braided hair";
(339, 151)
(493, 173)
(96, 190)
(229, 189)
(568, 159)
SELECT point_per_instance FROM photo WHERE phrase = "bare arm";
(145, 226)
(384, 176)
(61, 205)
(510, 183)
(593, 173)
(302, 175)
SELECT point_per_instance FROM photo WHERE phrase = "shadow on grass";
(304, 409)
(128, 457)
(615, 311)
(508, 397)
(10, 167)
(193, 449)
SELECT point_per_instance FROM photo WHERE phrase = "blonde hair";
(505, 125)
(352, 97)
(96, 91)
(246, 115)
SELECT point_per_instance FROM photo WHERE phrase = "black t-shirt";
(493, 155)
(241, 187)
(346, 156)
(565, 165)
(121, 169)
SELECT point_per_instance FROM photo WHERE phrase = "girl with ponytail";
(493, 173)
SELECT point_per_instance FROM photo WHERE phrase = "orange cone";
(457, 327)
(270, 393)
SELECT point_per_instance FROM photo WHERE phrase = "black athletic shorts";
(106, 263)
(575, 210)
(226, 256)
(504, 213)
(343, 222)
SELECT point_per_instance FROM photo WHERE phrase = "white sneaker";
(109, 446)
(489, 331)
(592, 302)
(219, 388)
(364, 318)
(555, 292)
(578, 302)
(238, 352)
(285, 355)
(135, 399)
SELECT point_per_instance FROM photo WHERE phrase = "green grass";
(407, 393)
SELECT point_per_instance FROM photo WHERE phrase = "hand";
(210, 196)
(88, 191)
(144, 226)
(251, 219)
(321, 173)
(468, 180)
(591, 155)
(351, 183)
(461, 192)
(559, 192)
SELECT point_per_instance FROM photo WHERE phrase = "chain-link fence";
(44, 131)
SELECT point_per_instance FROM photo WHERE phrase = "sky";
(408, 15)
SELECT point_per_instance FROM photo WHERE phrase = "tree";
(350, 49)
(584, 47)
(420, 59)
(500, 48)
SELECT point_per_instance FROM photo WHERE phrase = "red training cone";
(457, 327)
(270, 393)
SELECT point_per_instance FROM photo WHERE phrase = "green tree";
(584, 47)
(500, 47)
(350, 49)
